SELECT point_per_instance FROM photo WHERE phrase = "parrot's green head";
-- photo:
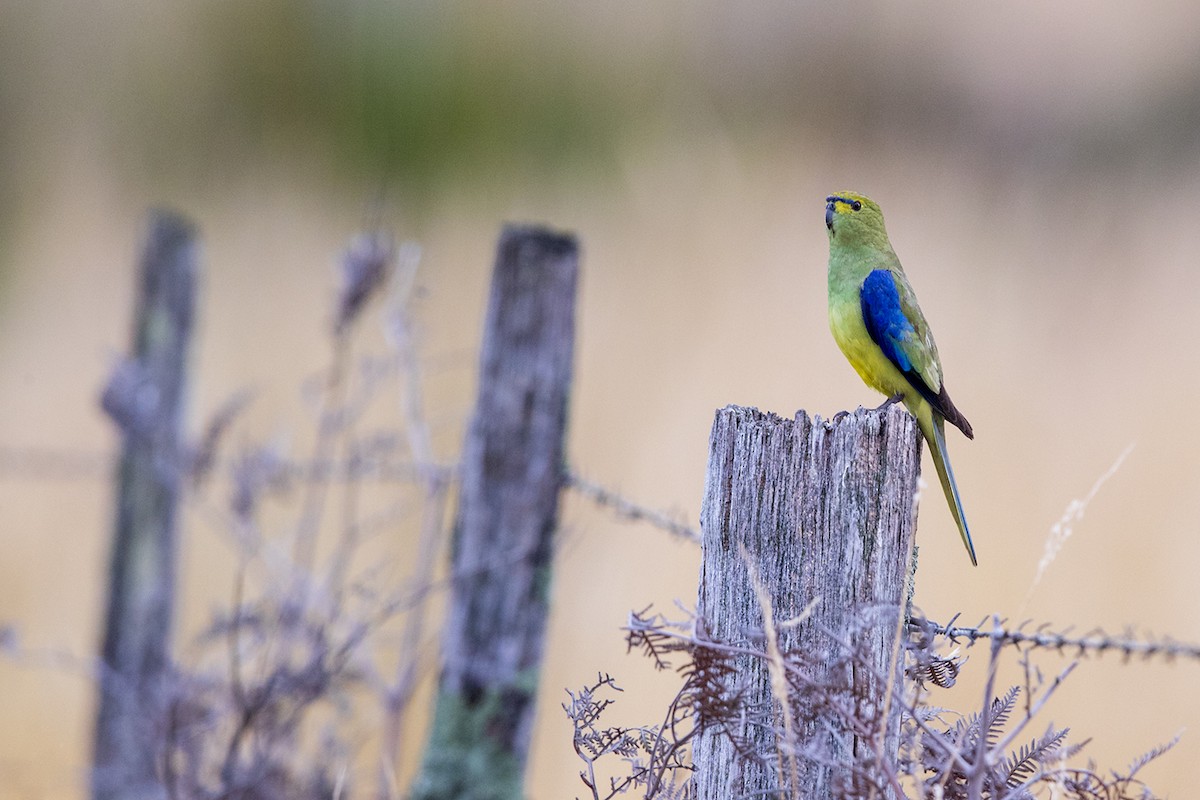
(853, 218)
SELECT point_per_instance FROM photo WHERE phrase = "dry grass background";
(1040, 172)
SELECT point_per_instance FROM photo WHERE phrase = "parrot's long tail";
(935, 433)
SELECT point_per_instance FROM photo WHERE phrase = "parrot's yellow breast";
(868, 360)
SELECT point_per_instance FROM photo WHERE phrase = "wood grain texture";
(813, 512)
(512, 473)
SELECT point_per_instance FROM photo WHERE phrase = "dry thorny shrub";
(270, 700)
(990, 753)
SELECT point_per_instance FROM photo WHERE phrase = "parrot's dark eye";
(856, 205)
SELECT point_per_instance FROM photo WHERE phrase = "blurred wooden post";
(813, 512)
(512, 472)
(145, 398)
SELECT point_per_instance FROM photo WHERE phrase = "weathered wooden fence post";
(145, 399)
(801, 512)
(512, 471)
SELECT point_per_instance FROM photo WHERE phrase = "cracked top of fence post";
(825, 514)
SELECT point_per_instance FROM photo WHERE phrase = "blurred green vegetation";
(424, 94)
(416, 93)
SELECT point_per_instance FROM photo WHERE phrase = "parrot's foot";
(891, 401)
(838, 416)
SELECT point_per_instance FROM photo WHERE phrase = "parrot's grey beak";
(829, 214)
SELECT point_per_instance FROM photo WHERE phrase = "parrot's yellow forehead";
(844, 202)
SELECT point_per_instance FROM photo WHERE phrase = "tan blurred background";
(1039, 165)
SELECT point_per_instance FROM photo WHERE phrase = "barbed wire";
(66, 464)
(51, 464)
(1096, 641)
(626, 509)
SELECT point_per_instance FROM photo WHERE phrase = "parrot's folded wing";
(901, 333)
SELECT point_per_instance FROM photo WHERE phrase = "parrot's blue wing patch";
(889, 327)
(885, 318)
